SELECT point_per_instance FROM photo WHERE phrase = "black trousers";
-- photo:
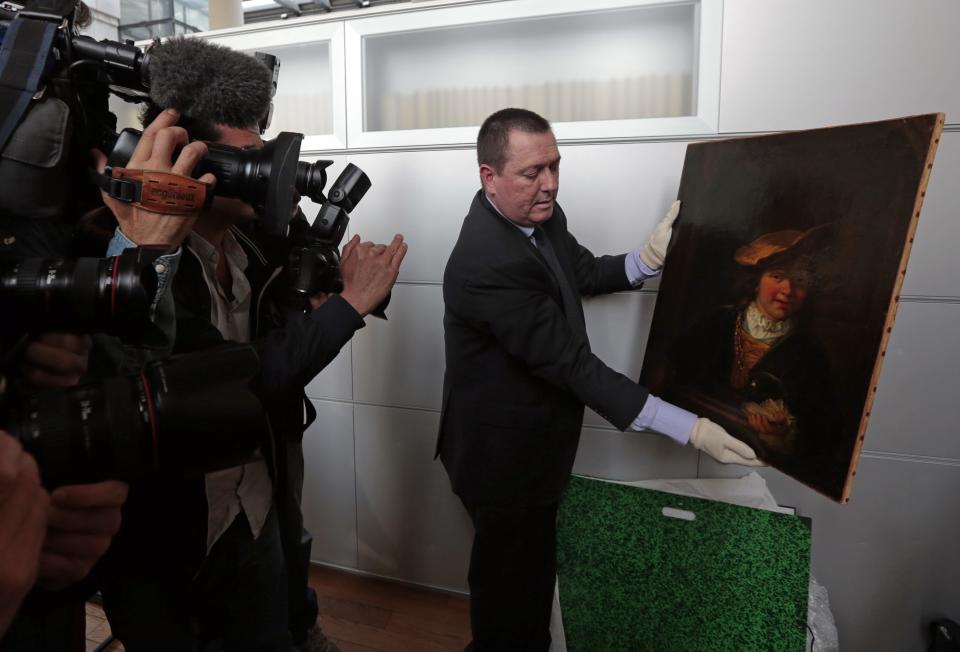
(296, 541)
(513, 567)
(237, 602)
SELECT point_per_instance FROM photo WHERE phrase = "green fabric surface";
(734, 578)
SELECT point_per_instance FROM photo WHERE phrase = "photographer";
(224, 558)
(81, 519)
(44, 190)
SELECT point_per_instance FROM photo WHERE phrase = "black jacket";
(166, 519)
(293, 346)
(517, 375)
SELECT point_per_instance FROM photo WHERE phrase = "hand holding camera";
(155, 151)
(81, 522)
(55, 360)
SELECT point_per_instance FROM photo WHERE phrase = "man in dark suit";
(519, 371)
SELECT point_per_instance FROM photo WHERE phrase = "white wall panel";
(932, 270)
(336, 379)
(798, 64)
(613, 195)
(916, 405)
(423, 195)
(329, 490)
(411, 525)
(888, 558)
(618, 325)
(633, 456)
(400, 361)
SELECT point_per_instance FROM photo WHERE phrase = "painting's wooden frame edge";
(892, 307)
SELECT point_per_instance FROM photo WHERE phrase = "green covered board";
(631, 579)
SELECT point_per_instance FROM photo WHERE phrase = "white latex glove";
(655, 251)
(720, 445)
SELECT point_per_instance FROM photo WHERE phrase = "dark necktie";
(571, 301)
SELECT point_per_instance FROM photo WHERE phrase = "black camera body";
(267, 178)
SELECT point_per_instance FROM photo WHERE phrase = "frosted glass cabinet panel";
(613, 65)
(304, 100)
(309, 97)
(617, 68)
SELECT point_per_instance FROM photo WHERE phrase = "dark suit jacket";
(517, 374)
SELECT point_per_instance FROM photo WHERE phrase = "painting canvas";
(781, 286)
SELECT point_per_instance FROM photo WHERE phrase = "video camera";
(266, 179)
(184, 416)
(84, 69)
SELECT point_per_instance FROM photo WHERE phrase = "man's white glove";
(655, 251)
(720, 445)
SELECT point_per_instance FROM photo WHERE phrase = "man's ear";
(487, 173)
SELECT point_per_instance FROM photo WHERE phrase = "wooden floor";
(363, 614)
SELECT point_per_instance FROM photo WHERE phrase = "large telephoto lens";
(185, 416)
(81, 295)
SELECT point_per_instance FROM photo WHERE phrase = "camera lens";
(79, 294)
(241, 173)
(87, 433)
(311, 179)
(184, 416)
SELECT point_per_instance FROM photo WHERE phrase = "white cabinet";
(428, 74)
(310, 91)
(617, 68)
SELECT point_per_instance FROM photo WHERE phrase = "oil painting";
(781, 286)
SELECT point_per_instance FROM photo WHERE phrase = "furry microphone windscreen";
(209, 82)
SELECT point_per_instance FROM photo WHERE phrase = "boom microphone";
(208, 82)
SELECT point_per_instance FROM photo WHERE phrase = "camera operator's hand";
(23, 523)
(155, 152)
(369, 272)
(81, 522)
(56, 360)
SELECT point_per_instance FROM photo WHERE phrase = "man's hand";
(720, 445)
(56, 360)
(155, 152)
(23, 523)
(655, 251)
(369, 271)
(81, 523)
